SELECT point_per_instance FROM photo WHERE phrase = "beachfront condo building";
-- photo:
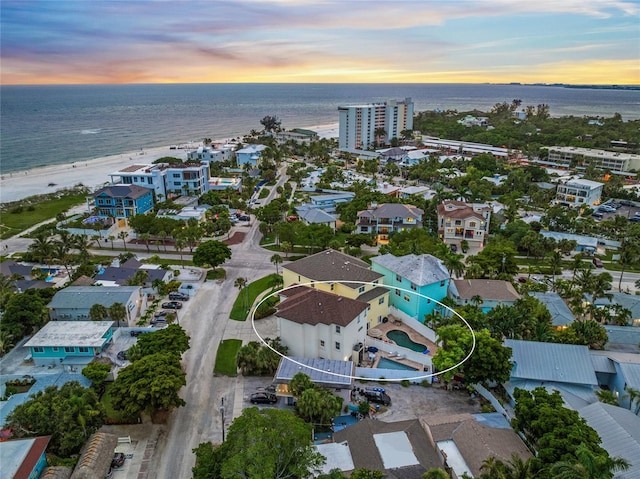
(362, 126)
(570, 156)
(459, 221)
(191, 178)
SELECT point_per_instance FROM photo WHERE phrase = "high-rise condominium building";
(361, 125)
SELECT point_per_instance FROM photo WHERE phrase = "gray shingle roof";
(619, 430)
(487, 289)
(122, 191)
(331, 265)
(397, 210)
(420, 270)
(564, 363)
(316, 215)
(561, 315)
(81, 297)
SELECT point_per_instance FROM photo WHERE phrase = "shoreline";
(92, 173)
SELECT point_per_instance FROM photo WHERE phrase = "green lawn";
(240, 310)
(226, 357)
(19, 218)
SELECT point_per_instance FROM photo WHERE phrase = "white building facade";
(578, 192)
(358, 123)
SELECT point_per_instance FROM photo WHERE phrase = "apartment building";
(210, 154)
(459, 221)
(605, 160)
(359, 124)
(579, 192)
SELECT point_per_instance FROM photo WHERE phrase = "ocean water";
(46, 125)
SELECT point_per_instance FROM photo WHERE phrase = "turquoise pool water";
(385, 363)
(402, 339)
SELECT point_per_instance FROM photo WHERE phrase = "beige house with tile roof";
(458, 221)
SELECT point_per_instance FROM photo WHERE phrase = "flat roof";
(395, 449)
(338, 456)
(331, 372)
(71, 333)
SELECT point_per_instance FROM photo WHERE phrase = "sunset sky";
(308, 41)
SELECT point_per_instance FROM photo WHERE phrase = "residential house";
(210, 154)
(618, 371)
(409, 191)
(412, 158)
(73, 303)
(343, 275)
(424, 274)
(627, 301)
(148, 176)
(24, 458)
(579, 192)
(382, 220)
(122, 274)
(584, 243)
(485, 293)
(400, 449)
(392, 155)
(187, 178)
(464, 441)
(222, 184)
(360, 125)
(458, 221)
(566, 368)
(122, 201)
(317, 324)
(96, 456)
(19, 276)
(329, 201)
(297, 135)
(317, 216)
(70, 343)
(619, 431)
(250, 155)
(561, 315)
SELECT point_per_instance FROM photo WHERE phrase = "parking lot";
(624, 211)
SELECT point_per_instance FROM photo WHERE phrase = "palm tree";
(436, 473)
(453, 263)
(111, 238)
(555, 262)
(607, 397)
(123, 235)
(628, 256)
(117, 312)
(179, 245)
(241, 283)
(146, 237)
(81, 243)
(633, 395)
(276, 259)
(286, 247)
(61, 253)
(588, 466)
(476, 300)
(42, 249)
(6, 342)
(98, 312)
(515, 468)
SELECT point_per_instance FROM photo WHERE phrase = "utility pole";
(222, 416)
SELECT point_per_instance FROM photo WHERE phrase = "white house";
(579, 192)
(209, 154)
(251, 154)
(317, 324)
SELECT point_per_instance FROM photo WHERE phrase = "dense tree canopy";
(255, 359)
(172, 339)
(69, 415)
(211, 253)
(150, 384)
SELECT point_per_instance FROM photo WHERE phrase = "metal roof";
(619, 430)
(90, 334)
(316, 215)
(602, 364)
(561, 315)
(330, 372)
(420, 270)
(575, 396)
(83, 297)
(631, 373)
(563, 363)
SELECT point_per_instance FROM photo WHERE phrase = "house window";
(56, 349)
(458, 223)
(414, 287)
(332, 286)
(381, 300)
(472, 224)
(176, 175)
(69, 349)
(361, 289)
(407, 298)
(398, 278)
(337, 346)
(38, 349)
(338, 329)
(321, 343)
(441, 283)
(397, 292)
(82, 349)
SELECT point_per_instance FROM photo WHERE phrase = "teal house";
(123, 201)
(23, 458)
(70, 343)
(410, 276)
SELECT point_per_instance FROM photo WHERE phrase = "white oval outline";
(473, 335)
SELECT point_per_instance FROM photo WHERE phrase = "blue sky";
(156, 41)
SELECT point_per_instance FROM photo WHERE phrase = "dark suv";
(178, 297)
(377, 397)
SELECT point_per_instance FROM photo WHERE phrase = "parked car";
(597, 262)
(172, 305)
(634, 218)
(263, 398)
(118, 460)
(178, 296)
(159, 314)
(137, 333)
(377, 397)
(597, 215)
(244, 218)
(122, 355)
(159, 321)
(606, 208)
(522, 279)
(626, 203)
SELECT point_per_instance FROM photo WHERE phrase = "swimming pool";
(402, 339)
(385, 363)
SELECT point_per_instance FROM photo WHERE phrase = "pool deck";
(395, 324)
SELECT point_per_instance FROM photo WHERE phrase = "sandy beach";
(95, 172)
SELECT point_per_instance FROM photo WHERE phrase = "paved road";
(206, 320)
